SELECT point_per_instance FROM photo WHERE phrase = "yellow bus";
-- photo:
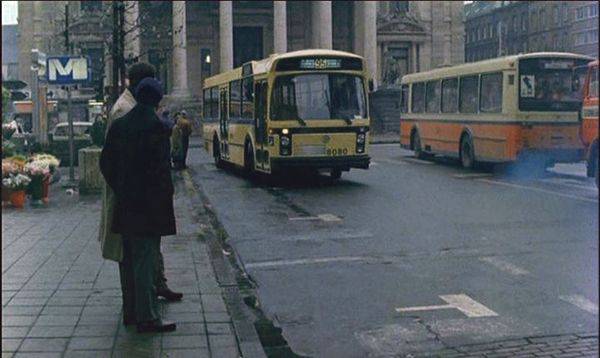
(306, 109)
(498, 110)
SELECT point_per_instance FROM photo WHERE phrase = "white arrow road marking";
(417, 161)
(304, 261)
(472, 175)
(461, 302)
(322, 217)
(581, 302)
(504, 266)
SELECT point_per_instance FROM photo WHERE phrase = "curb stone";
(246, 336)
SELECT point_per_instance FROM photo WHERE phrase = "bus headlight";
(361, 139)
(285, 144)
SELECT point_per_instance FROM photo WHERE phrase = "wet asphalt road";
(334, 261)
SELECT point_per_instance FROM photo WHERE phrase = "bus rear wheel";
(249, 161)
(217, 153)
(467, 153)
(417, 148)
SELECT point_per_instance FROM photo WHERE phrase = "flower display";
(37, 168)
(8, 168)
(51, 161)
(16, 181)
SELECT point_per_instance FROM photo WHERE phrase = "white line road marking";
(517, 186)
(305, 261)
(417, 161)
(504, 266)
(322, 217)
(472, 175)
(570, 183)
(461, 302)
(581, 302)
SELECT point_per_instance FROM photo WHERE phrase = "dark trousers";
(137, 271)
(160, 281)
(180, 157)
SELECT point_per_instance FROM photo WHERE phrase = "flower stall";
(21, 175)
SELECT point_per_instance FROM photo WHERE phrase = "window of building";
(524, 22)
(592, 36)
(555, 15)
(579, 38)
(565, 14)
(418, 97)
(491, 93)
(514, 24)
(468, 94)
(491, 29)
(593, 12)
(581, 13)
(555, 43)
(92, 5)
(248, 98)
(433, 97)
(404, 99)
(235, 99)
(543, 21)
(450, 95)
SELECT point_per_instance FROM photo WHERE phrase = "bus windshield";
(550, 84)
(318, 96)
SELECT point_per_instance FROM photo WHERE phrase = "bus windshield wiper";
(302, 121)
(347, 119)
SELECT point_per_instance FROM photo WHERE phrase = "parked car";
(58, 139)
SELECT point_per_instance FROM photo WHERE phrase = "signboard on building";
(67, 70)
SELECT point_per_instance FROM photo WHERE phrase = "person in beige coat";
(110, 242)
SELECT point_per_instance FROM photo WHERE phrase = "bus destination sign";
(320, 63)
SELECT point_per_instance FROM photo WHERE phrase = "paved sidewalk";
(61, 299)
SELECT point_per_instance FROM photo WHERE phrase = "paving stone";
(91, 343)
(22, 310)
(222, 340)
(38, 301)
(226, 352)
(95, 330)
(185, 353)
(188, 329)
(18, 320)
(34, 293)
(141, 343)
(67, 301)
(100, 319)
(217, 317)
(88, 354)
(38, 331)
(43, 345)
(38, 355)
(14, 332)
(56, 320)
(219, 328)
(10, 344)
(62, 310)
(196, 341)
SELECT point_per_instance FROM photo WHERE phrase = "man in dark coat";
(136, 169)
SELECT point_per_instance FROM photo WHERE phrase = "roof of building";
(10, 44)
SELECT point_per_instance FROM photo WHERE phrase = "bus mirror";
(371, 85)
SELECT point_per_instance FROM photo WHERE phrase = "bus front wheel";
(467, 153)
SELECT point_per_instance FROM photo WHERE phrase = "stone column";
(180, 85)
(321, 24)
(369, 10)
(225, 36)
(132, 29)
(279, 27)
(358, 27)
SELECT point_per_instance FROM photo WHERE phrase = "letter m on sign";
(67, 70)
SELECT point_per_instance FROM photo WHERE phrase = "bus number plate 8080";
(337, 151)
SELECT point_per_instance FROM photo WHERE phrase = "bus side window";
(468, 94)
(235, 105)
(404, 99)
(248, 98)
(214, 103)
(450, 95)
(206, 105)
(593, 90)
(418, 97)
(432, 96)
(491, 93)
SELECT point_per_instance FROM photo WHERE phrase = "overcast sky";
(9, 12)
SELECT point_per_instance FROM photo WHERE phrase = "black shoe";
(169, 295)
(156, 327)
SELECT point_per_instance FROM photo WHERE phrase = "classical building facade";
(499, 28)
(10, 53)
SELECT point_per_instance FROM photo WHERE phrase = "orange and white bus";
(589, 119)
(497, 110)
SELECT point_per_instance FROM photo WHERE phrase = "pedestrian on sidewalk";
(168, 123)
(111, 243)
(136, 169)
(181, 139)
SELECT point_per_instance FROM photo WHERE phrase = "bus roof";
(265, 65)
(494, 64)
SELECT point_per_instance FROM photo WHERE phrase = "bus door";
(224, 122)
(260, 122)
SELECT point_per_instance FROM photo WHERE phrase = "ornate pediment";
(399, 22)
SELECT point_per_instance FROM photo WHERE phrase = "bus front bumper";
(341, 162)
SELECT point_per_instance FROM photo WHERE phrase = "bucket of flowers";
(53, 163)
(17, 183)
(38, 171)
(8, 168)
